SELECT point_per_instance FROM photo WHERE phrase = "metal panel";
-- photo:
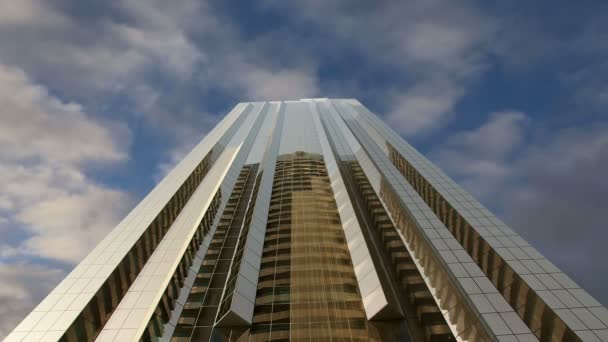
(111, 251)
(159, 270)
(238, 299)
(372, 294)
(450, 292)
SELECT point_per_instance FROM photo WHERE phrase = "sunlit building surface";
(312, 220)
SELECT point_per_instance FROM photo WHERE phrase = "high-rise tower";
(312, 220)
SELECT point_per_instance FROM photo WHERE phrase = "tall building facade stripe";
(415, 293)
(143, 297)
(528, 281)
(450, 292)
(373, 295)
(423, 316)
(81, 304)
(408, 295)
(238, 299)
(199, 298)
(415, 276)
(263, 135)
(215, 246)
(198, 305)
(299, 133)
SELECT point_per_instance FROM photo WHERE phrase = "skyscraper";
(312, 220)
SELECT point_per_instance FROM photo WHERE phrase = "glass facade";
(312, 220)
(197, 318)
(307, 286)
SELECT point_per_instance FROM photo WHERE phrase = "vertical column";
(238, 299)
(153, 285)
(375, 298)
(197, 281)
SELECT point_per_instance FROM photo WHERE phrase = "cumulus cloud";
(184, 44)
(44, 145)
(28, 12)
(280, 84)
(481, 157)
(64, 213)
(105, 54)
(424, 107)
(49, 208)
(440, 47)
(551, 188)
(34, 125)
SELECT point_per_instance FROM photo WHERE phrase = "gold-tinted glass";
(307, 287)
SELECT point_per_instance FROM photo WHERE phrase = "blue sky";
(99, 99)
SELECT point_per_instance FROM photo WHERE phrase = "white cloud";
(443, 52)
(445, 44)
(424, 107)
(481, 157)
(161, 57)
(440, 47)
(45, 195)
(44, 145)
(65, 217)
(37, 125)
(496, 138)
(104, 55)
(281, 84)
(28, 12)
(168, 49)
